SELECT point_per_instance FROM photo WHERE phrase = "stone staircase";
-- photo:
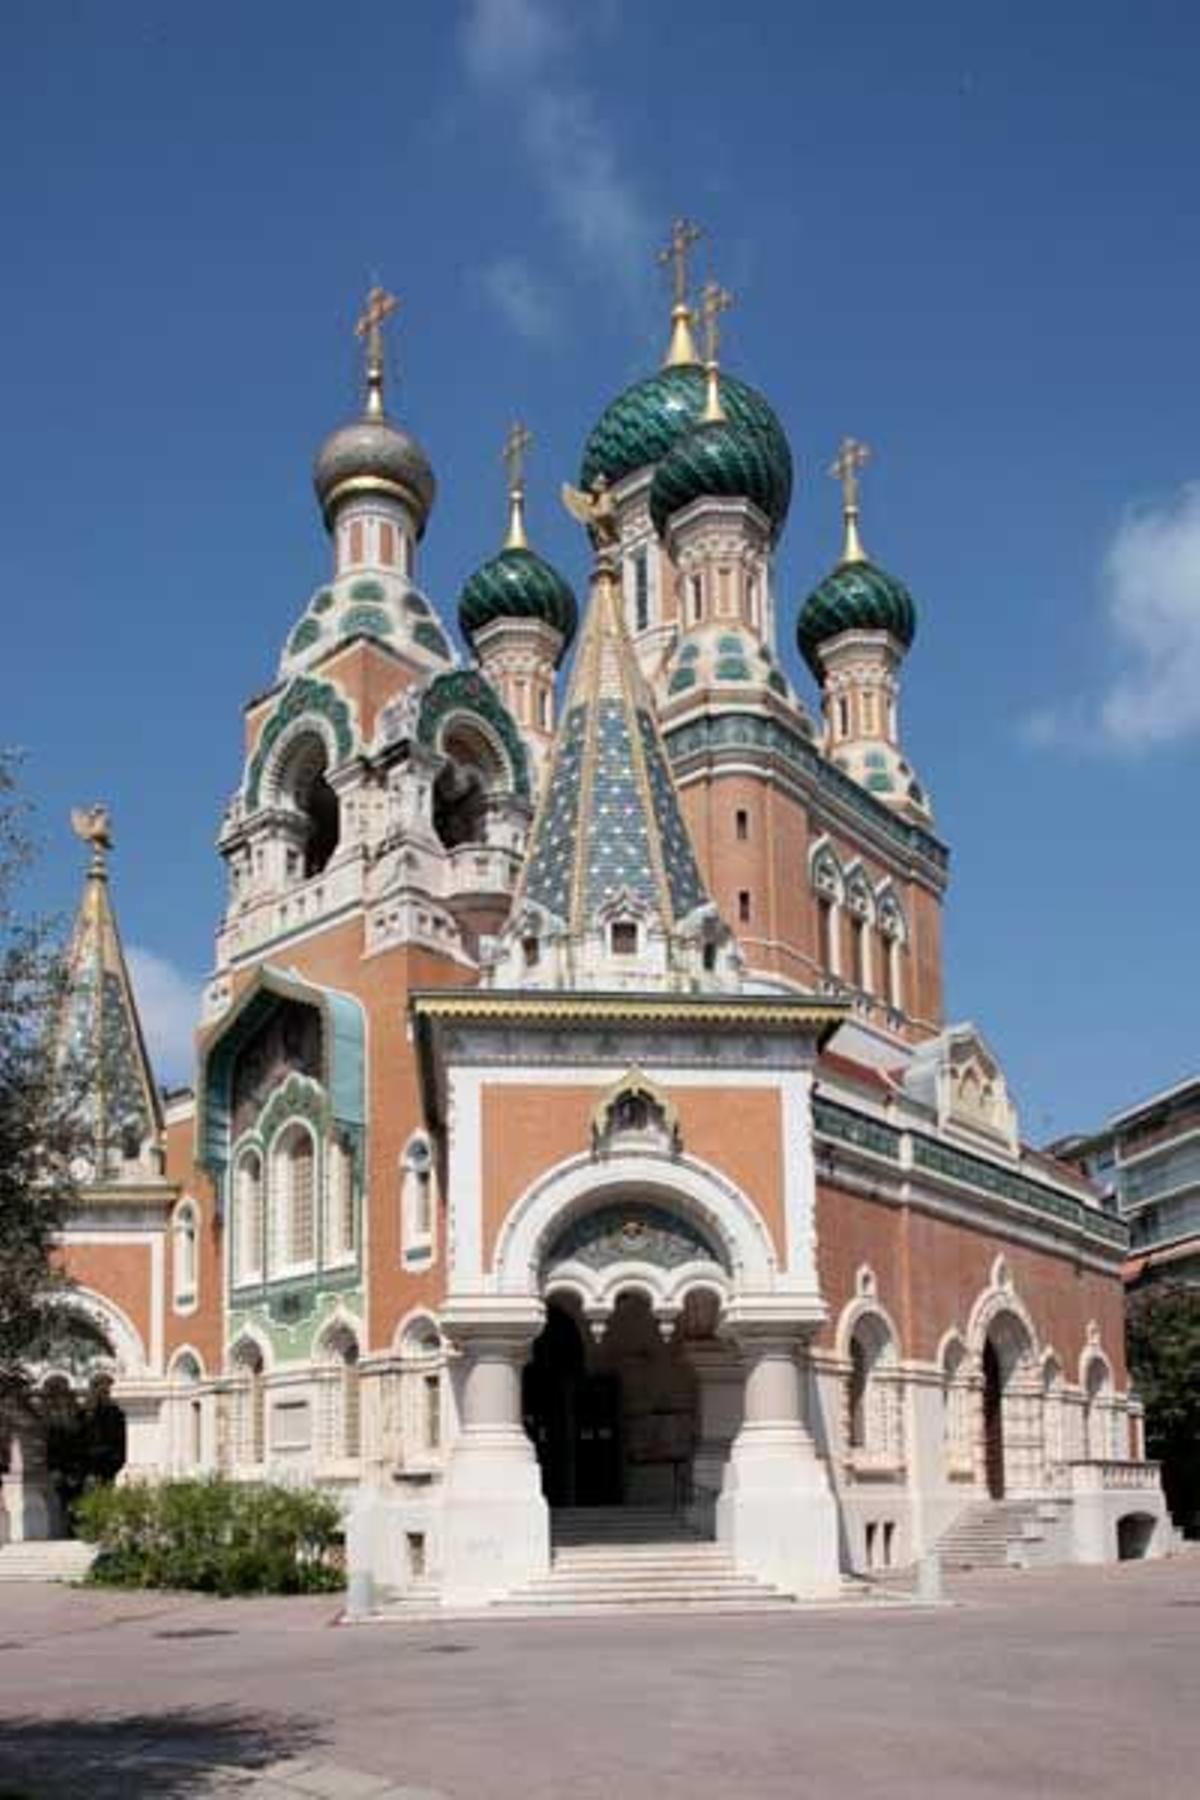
(53, 1559)
(637, 1559)
(1001, 1534)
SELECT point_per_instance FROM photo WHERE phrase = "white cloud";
(1151, 610)
(507, 39)
(169, 1004)
(523, 299)
(520, 52)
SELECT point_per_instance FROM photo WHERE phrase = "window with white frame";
(185, 1259)
(829, 887)
(341, 1412)
(422, 1356)
(1053, 1434)
(293, 1198)
(417, 1198)
(875, 1415)
(956, 1408)
(189, 1411)
(860, 906)
(248, 1220)
(891, 938)
(1097, 1410)
(641, 589)
(249, 1404)
(341, 1233)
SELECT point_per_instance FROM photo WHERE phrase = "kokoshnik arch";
(575, 1122)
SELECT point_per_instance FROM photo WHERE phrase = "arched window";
(293, 1198)
(186, 1235)
(417, 1199)
(473, 769)
(248, 1218)
(341, 1430)
(829, 887)
(861, 908)
(341, 1224)
(422, 1356)
(1053, 1436)
(956, 1409)
(891, 937)
(875, 1420)
(1097, 1411)
(249, 1405)
(303, 789)
(189, 1411)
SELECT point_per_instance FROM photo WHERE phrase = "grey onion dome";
(371, 455)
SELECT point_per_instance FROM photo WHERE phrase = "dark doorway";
(573, 1418)
(85, 1442)
(993, 1421)
(1135, 1533)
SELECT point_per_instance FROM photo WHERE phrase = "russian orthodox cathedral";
(576, 1133)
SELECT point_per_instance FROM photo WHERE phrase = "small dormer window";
(623, 937)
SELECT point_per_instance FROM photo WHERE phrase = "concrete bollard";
(929, 1578)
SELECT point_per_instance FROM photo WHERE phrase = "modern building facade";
(576, 1124)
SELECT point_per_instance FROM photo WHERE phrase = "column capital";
(773, 1320)
(501, 1323)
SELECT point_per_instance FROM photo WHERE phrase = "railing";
(1106, 1475)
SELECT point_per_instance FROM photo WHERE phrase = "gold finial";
(594, 509)
(380, 306)
(714, 300)
(851, 457)
(513, 454)
(93, 826)
(682, 347)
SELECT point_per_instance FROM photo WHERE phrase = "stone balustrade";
(1106, 1475)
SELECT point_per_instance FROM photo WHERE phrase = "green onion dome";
(725, 459)
(649, 418)
(856, 596)
(517, 584)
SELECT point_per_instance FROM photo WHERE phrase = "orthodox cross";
(515, 445)
(380, 306)
(684, 233)
(851, 457)
(714, 300)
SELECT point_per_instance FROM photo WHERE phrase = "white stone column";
(777, 1511)
(25, 1486)
(495, 1521)
(720, 1382)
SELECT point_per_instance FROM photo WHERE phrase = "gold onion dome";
(370, 454)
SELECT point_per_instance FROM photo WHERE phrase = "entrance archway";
(993, 1421)
(85, 1442)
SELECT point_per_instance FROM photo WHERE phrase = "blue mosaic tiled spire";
(610, 822)
(100, 1025)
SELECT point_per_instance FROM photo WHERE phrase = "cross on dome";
(714, 300)
(369, 326)
(674, 256)
(513, 456)
(852, 456)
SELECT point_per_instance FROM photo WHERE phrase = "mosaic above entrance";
(635, 1232)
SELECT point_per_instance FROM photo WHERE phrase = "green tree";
(41, 1115)
(1163, 1328)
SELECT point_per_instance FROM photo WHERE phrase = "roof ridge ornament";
(93, 826)
(369, 327)
(852, 456)
(681, 350)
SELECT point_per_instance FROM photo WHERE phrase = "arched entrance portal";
(993, 1421)
(614, 1420)
(85, 1441)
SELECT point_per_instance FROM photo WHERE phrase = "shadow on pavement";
(171, 1755)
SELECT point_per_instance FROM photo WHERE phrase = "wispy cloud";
(523, 299)
(525, 54)
(1151, 613)
(169, 1004)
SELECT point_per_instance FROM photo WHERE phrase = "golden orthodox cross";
(851, 457)
(714, 300)
(515, 445)
(684, 233)
(380, 306)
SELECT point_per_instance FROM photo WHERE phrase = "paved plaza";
(1058, 1683)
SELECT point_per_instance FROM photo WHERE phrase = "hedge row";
(214, 1536)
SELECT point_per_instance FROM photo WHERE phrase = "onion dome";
(371, 455)
(517, 583)
(725, 460)
(648, 420)
(857, 595)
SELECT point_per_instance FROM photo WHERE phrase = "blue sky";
(966, 234)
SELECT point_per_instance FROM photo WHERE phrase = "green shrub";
(214, 1536)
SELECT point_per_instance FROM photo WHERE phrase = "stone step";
(63, 1559)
